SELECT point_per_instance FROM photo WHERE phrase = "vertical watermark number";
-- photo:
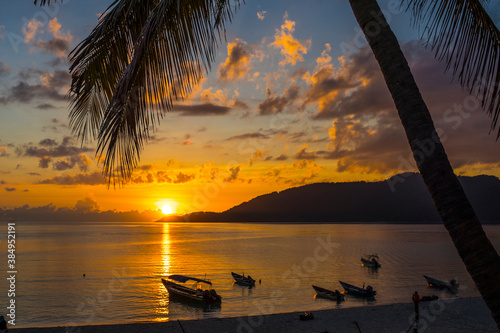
(11, 271)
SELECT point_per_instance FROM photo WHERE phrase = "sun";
(167, 206)
(167, 209)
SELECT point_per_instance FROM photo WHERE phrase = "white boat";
(194, 293)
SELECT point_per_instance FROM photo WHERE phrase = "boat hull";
(357, 291)
(370, 263)
(440, 284)
(183, 292)
(243, 280)
(325, 293)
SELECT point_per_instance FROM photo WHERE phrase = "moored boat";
(194, 293)
(334, 295)
(358, 291)
(370, 260)
(451, 286)
(243, 280)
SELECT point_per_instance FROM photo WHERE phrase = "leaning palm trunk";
(479, 256)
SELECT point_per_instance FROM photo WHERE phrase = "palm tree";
(142, 51)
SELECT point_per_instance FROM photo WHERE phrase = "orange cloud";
(237, 65)
(30, 29)
(261, 15)
(291, 48)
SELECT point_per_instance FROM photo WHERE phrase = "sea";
(71, 274)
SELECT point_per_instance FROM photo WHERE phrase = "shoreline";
(446, 315)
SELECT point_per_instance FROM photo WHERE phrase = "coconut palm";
(143, 55)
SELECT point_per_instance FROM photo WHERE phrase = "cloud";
(30, 29)
(87, 205)
(183, 178)
(261, 15)
(233, 174)
(10, 189)
(187, 140)
(3, 33)
(275, 104)
(58, 151)
(47, 142)
(237, 65)
(44, 162)
(366, 135)
(3, 152)
(238, 104)
(282, 157)
(69, 156)
(4, 69)
(45, 106)
(82, 161)
(95, 178)
(246, 136)
(59, 44)
(48, 87)
(302, 154)
(291, 48)
(207, 109)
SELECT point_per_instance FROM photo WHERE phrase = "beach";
(446, 315)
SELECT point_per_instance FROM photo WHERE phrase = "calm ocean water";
(123, 264)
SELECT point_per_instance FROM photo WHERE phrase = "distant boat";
(370, 260)
(357, 291)
(194, 293)
(243, 280)
(322, 292)
(452, 285)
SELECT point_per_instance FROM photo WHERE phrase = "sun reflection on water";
(162, 309)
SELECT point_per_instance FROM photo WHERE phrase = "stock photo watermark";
(11, 272)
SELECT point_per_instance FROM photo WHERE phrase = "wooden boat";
(322, 292)
(370, 260)
(452, 285)
(243, 280)
(357, 291)
(195, 293)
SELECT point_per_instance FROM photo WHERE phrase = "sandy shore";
(457, 315)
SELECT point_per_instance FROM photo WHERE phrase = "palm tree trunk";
(475, 249)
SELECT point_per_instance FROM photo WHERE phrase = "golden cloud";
(291, 48)
(237, 65)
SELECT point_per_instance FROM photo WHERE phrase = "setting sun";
(167, 209)
(167, 206)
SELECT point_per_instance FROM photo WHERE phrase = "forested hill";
(403, 198)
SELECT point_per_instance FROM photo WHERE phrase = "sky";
(294, 97)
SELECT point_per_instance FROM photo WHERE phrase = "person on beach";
(3, 324)
(416, 300)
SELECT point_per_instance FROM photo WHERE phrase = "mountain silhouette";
(403, 198)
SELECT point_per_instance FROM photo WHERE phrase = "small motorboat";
(370, 260)
(194, 293)
(451, 286)
(357, 291)
(243, 280)
(325, 293)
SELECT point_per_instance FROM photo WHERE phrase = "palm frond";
(463, 35)
(43, 2)
(98, 62)
(136, 62)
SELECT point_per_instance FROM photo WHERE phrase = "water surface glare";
(124, 262)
